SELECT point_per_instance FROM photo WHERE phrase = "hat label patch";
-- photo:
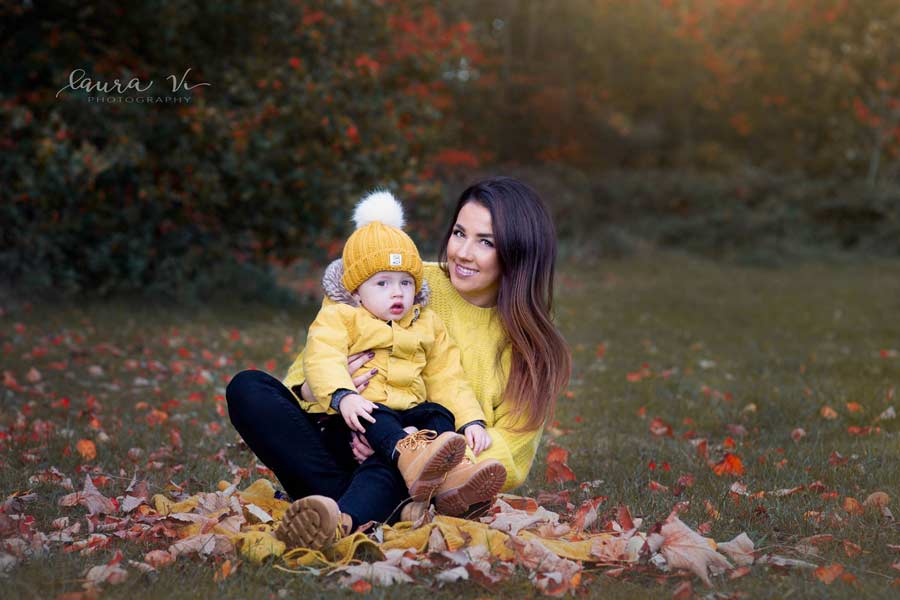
(396, 260)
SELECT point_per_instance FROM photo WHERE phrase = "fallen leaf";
(454, 574)
(684, 548)
(781, 561)
(33, 375)
(206, 544)
(740, 550)
(90, 498)
(888, 414)
(379, 573)
(226, 570)
(730, 464)
(512, 520)
(158, 558)
(110, 573)
(828, 413)
(853, 506)
(683, 591)
(828, 574)
(798, 434)
(660, 428)
(739, 572)
(877, 500)
(557, 469)
(655, 486)
(851, 549)
(587, 513)
(86, 449)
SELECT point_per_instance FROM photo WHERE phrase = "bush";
(310, 104)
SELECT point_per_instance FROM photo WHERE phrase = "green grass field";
(738, 357)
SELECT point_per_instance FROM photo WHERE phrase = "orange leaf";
(853, 506)
(86, 449)
(660, 427)
(655, 486)
(226, 570)
(828, 413)
(557, 469)
(828, 574)
(854, 407)
(730, 464)
(361, 586)
(851, 549)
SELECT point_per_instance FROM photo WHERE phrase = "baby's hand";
(478, 438)
(354, 406)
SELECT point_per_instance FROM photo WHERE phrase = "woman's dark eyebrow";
(480, 235)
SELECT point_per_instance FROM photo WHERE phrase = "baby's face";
(387, 294)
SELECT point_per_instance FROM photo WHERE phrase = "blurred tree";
(797, 85)
(309, 104)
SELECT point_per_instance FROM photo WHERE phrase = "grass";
(765, 350)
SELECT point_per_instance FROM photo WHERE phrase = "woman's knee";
(246, 386)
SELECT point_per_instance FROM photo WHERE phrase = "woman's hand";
(478, 438)
(354, 363)
(360, 447)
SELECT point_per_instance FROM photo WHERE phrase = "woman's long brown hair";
(525, 240)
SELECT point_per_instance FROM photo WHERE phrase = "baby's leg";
(428, 415)
(385, 432)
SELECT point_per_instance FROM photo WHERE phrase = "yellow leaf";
(257, 546)
(162, 504)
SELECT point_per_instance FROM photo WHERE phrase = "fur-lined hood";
(334, 289)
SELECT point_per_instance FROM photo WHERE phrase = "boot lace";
(417, 440)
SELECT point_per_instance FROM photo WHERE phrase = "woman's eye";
(488, 243)
(458, 233)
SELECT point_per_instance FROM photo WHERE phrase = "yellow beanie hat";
(379, 243)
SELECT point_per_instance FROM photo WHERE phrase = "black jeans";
(387, 429)
(310, 454)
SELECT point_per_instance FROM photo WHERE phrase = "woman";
(493, 290)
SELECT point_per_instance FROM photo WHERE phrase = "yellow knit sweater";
(479, 335)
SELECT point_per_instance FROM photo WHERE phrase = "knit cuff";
(337, 396)
(478, 422)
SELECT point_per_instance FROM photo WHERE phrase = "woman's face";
(472, 256)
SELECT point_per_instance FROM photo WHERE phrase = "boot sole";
(309, 522)
(481, 487)
(450, 453)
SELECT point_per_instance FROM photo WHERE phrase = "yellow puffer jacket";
(415, 357)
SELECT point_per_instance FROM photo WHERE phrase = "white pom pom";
(379, 205)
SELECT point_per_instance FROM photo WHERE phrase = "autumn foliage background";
(756, 130)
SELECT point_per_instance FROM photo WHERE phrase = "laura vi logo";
(131, 91)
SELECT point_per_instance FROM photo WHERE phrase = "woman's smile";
(464, 272)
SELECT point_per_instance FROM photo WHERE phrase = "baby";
(377, 306)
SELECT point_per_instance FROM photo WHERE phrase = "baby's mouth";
(397, 307)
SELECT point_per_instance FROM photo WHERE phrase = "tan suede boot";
(468, 484)
(313, 522)
(425, 458)
(413, 511)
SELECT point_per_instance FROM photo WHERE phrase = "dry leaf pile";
(558, 552)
